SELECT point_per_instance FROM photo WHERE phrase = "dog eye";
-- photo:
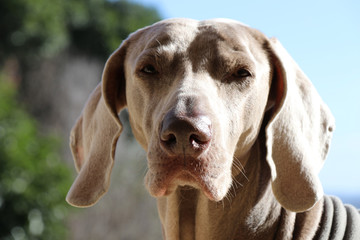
(241, 73)
(149, 69)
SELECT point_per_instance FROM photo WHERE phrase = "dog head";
(197, 93)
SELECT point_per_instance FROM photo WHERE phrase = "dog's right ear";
(93, 138)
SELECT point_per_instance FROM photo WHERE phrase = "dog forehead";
(178, 34)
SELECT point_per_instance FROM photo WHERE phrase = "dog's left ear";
(298, 134)
(93, 138)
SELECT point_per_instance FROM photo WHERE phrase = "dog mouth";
(162, 179)
(187, 151)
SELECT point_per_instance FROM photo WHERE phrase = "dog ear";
(93, 138)
(298, 134)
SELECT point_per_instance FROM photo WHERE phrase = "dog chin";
(213, 189)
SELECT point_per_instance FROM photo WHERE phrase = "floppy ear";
(93, 138)
(298, 134)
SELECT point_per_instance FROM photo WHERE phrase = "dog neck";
(249, 209)
(248, 212)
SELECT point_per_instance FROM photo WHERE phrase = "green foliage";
(33, 179)
(98, 27)
(43, 28)
(30, 28)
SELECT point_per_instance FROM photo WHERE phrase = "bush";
(33, 179)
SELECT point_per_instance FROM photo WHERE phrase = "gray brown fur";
(234, 131)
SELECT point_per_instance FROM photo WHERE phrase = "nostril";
(194, 138)
(169, 139)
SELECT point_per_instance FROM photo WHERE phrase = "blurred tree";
(33, 179)
(42, 28)
(101, 27)
(32, 28)
(33, 32)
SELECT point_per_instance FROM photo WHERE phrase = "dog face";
(197, 93)
(195, 102)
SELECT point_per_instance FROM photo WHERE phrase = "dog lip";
(183, 177)
(177, 178)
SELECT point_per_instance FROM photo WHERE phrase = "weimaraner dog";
(234, 131)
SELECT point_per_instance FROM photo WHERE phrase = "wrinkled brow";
(158, 41)
(219, 53)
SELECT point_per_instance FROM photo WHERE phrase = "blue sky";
(324, 39)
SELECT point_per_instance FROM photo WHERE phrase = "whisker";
(239, 162)
(233, 190)
(237, 182)
(229, 194)
(229, 200)
(233, 195)
(240, 167)
(234, 186)
(223, 204)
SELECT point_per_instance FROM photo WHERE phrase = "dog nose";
(182, 135)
